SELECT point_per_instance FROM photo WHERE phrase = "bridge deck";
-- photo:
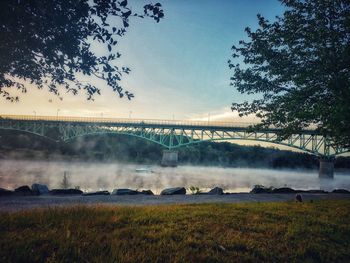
(157, 123)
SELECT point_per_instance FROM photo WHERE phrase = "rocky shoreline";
(40, 189)
(39, 196)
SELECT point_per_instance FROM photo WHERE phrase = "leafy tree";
(49, 43)
(300, 67)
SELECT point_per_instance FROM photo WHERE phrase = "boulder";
(97, 193)
(147, 192)
(124, 192)
(40, 188)
(216, 191)
(340, 191)
(4, 192)
(66, 192)
(25, 190)
(260, 189)
(283, 190)
(174, 191)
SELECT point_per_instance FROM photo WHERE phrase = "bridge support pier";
(169, 158)
(326, 169)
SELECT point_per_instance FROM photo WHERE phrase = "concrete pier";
(326, 169)
(169, 158)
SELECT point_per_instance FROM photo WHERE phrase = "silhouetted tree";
(49, 43)
(300, 67)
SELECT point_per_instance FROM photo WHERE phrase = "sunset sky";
(179, 66)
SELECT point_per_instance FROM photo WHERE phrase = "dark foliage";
(300, 67)
(125, 148)
(48, 43)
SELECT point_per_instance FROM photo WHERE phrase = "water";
(108, 176)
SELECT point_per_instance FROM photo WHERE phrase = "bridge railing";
(125, 121)
(134, 121)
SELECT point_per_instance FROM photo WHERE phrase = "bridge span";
(172, 134)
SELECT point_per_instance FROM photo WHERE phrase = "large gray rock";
(66, 192)
(174, 191)
(340, 191)
(5, 192)
(124, 192)
(147, 192)
(260, 189)
(25, 190)
(40, 188)
(283, 190)
(216, 191)
(97, 193)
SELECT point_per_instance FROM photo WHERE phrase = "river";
(91, 176)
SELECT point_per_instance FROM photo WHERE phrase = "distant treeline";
(125, 148)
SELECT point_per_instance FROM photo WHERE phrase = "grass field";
(253, 232)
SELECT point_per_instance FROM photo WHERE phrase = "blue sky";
(179, 66)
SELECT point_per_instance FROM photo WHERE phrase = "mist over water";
(108, 176)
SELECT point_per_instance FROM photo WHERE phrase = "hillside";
(15, 145)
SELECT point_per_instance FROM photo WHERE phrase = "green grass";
(267, 232)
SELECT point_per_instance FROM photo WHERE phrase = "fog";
(108, 176)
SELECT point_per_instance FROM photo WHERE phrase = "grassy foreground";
(271, 232)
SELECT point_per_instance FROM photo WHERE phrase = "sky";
(179, 65)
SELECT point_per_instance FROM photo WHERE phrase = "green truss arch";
(169, 134)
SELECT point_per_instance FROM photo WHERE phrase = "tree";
(300, 67)
(49, 44)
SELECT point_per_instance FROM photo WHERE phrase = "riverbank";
(316, 231)
(18, 203)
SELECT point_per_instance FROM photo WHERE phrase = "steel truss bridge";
(170, 134)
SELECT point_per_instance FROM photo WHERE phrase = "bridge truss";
(170, 134)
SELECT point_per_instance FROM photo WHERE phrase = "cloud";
(224, 114)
